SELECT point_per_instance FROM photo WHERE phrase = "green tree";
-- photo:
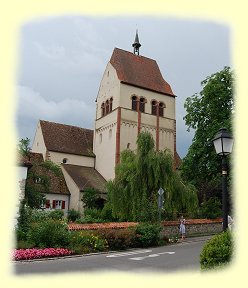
(24, 146)
(133, 193)
(207, 112)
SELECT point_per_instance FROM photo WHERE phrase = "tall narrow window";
(134, 103)
(142, 104)
(161, 109)
(103, 109)
(107, 106)
(110, 104)
(154, 107)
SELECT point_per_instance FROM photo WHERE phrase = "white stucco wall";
(57, 157)
(109, 87)
(105, 145)
(54, 196)
(75, 198)
(38, 143)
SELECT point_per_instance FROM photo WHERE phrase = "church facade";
(133, 97)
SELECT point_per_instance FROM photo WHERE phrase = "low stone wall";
(193, 226)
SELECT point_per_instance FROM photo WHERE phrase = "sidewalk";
(195, 239)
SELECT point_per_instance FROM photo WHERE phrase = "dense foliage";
(42, 230)
(211, 208)
(207, 112)
(147, 235)
(133, 194)
(24, 146)
(217, 251)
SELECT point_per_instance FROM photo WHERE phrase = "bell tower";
(133, 97)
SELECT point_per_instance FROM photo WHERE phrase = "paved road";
(180, 256)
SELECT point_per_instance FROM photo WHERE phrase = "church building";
(133, 97)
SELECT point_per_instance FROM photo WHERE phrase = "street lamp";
(223, 143)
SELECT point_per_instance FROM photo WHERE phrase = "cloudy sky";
(62, 60)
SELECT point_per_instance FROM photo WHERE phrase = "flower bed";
(29, 254)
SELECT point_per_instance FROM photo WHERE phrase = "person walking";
(182, 229)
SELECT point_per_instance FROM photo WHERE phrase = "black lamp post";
(223, 143)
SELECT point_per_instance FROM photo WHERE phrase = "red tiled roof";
(67, 139)
(94, 226)
(86, 177)
(139, 71)
(192, 221)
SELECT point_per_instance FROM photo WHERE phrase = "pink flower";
(28, 254)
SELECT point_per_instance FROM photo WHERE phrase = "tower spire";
(136, 45)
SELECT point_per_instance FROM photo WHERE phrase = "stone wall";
(193, 227)
(170, 228)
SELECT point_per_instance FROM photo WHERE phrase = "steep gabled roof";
(139, 71)
(86, 177)
(67, 139)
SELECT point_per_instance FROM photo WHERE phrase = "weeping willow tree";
(134, 191)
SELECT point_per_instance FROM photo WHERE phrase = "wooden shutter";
(63, 204)
(54, 204)
(47, 203)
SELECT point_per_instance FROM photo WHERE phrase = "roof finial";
(136, 44)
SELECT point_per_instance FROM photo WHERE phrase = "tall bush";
(147, 234)
(49, 234)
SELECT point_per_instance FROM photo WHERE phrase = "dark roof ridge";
(135, 54)
(66, 125)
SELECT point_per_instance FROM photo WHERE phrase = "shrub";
(118, 239)
(107, 213)
(91, 216)
(56, 214)
(39, 215)
(147, 234)
(73, 215)
(217, 251)
(48, 234)
(86, 242)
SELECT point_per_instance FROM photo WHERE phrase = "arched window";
(111, 104)
(107, 106)
(103, 109)
(161, 109)
(154, 107)
(142, 104)
(64, 160)
(100, 138)
(134, 103)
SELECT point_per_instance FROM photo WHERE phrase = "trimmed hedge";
(118, 239)
(217, 251)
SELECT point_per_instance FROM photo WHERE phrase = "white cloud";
(52, 52)
(32, 106)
